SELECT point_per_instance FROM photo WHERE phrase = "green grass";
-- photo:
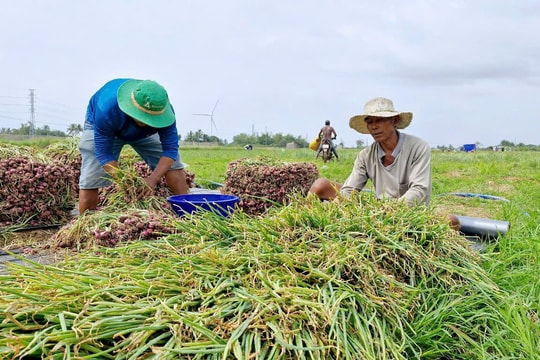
(37, 142)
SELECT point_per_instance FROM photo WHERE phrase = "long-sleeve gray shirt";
(407, 178)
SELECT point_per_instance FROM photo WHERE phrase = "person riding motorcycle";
(328, 133)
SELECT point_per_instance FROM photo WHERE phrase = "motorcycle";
(326, 150)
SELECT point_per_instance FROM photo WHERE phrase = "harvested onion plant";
(362, 279)
(8, 151)
(110, 228)
(123, 216)
(126, 186)
(67, 149)
(125, 191)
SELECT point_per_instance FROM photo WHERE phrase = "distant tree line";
(264, 139)
(200, 136)
(267, 139)
(502, 146)
(521, 146)
(27, 129)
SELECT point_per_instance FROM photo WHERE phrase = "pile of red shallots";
(261, 183)
(114, 227)
(36, 193)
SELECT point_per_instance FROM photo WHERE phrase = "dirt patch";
(464, 210)
(469, 206)
(502, 188)
(456, 174)
(28, 238)
(32, 245)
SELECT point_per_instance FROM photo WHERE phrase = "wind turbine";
(211, 115)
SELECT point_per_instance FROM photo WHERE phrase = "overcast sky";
(469, 70)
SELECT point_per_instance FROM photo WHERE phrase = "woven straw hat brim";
(358, 122)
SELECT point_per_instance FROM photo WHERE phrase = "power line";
(12, 97)
(57, 104)
(12, 118)
(15, 112)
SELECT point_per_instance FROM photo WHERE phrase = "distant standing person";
(327, 132)
(136, 113)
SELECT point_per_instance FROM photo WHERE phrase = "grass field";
(310, 280)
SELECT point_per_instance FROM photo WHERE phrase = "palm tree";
(74, 129)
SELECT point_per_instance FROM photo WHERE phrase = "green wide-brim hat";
(146, 101)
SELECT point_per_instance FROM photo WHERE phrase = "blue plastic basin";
(189, 203)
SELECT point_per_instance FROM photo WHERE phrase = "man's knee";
(324, 189)
(177, 181)
(88, 199)
(320, 186)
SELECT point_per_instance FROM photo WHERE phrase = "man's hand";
(147, 189)
(111, 168)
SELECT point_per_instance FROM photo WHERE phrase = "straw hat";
(379, 107)
(147, 102)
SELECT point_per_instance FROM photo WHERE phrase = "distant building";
(198, 144)
(292, 145)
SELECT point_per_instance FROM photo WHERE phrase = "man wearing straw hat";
(398, 164)
(129, 112)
